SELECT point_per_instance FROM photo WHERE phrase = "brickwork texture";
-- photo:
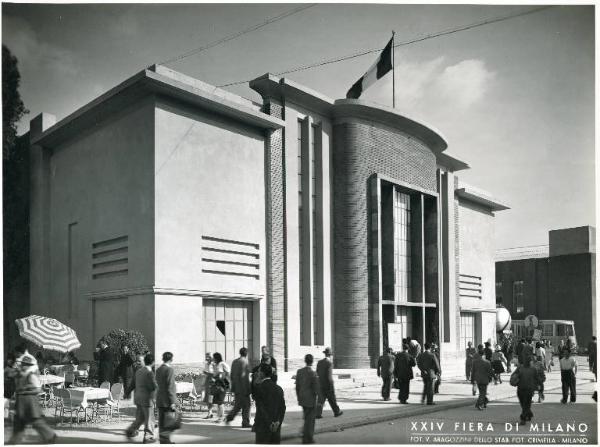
(362, 149)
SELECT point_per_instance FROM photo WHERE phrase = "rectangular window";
(467, 329)
(402, 257)
(518, 299)
(547, 329)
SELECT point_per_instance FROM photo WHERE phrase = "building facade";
(558, 283)
(210, 222)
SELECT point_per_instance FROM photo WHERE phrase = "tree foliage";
(117, 338)
(13, 108)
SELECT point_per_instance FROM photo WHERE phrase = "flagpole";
(393, 73)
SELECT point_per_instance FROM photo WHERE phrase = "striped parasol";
(48, 333)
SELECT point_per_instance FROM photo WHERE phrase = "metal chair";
(116, 394)
(67, 403)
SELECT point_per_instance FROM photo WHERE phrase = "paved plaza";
(379, 421)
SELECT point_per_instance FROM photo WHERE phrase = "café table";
(184, 387)
(51, 379)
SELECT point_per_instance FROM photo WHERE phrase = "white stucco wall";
(101, 185)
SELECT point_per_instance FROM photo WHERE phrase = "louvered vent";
(110, 258)
(469, 286)
(228, 257)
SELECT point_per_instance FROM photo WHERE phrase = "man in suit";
(145, 386)
(270, 407)
(526, 355)
(240, 387)
(403, 366)
(308, 392)
(104, 357)
(325, 373)
(430, 368)
(125, 368)
(385, 370)
(481, 374)
(166, 397)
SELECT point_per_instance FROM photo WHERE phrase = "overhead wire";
(401, 44)
(238, 34)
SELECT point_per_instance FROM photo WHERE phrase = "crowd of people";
(155, 388)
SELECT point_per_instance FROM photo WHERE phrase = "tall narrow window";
(518, 300)
(71, 276)
(499, 292)
(304, 247)
(402, 246)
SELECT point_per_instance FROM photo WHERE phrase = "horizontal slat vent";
(110, 258)
(230, 257)
(469, 286)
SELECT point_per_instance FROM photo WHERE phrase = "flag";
(382, 65)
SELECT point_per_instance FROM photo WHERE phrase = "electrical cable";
(238, 34)
(408, 42)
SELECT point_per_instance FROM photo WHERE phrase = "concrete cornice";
(480, 197)
(370, 111)
(162, 81)
(151, 290)
(451, 163)
(282, 89)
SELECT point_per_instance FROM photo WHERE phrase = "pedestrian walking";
(430, 368)
(499, 364)
(270, 407)
(27, 406)
(10, 374)
(480, 376)
(488, 351)
(593, 357)
(209, 374)
(435, 350)
(125, 367)
(220, 385)
(240, 387)
(325, 373)
(308, 392)
(403, 370)
(385, 370)
(526, 383)
(549, 352)
(568, 370)
(526, 356)
(144, 384)
(166, 397)
(469, 356)
(414, 348)
(539, 366)
(267, 358)
(104, 356)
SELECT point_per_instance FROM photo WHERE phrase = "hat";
(27, 360)
(327, 351)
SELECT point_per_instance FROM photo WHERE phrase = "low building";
(210, 222)
(553, 282)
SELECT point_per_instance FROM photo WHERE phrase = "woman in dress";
(499, 364)
(220, 385)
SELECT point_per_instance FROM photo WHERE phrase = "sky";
(514, 99)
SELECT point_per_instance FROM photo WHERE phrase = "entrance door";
(467, 329)
(228, 327)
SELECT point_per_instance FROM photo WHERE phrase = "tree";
(13, 108)
(15, 202)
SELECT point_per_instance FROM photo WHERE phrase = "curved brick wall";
(361, 149)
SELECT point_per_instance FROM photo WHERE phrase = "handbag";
(172, 420)
(514, 378)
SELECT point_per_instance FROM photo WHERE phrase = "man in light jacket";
(145, 386)
(166, 397)
(240, 387)
(308, 392)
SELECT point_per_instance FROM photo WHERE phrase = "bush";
(116, 339)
